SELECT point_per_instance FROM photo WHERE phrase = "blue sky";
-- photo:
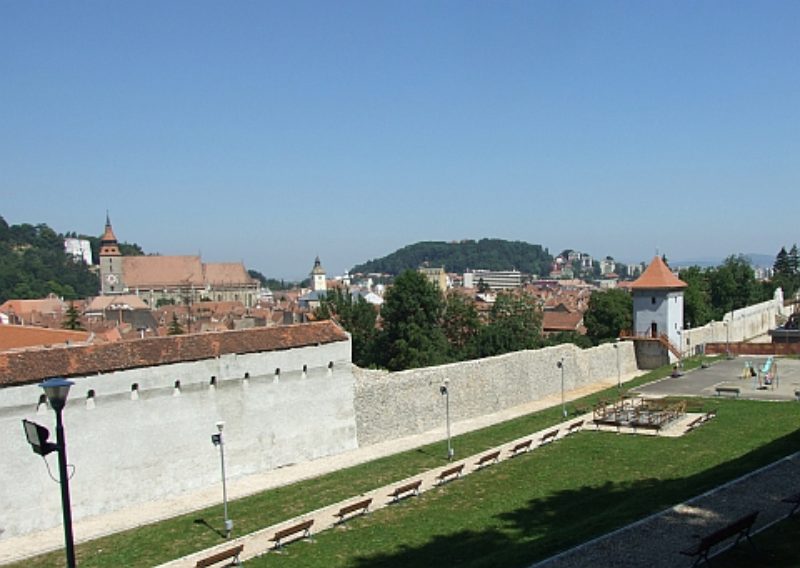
(274, 132)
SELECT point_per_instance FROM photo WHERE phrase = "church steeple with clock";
(111, 281)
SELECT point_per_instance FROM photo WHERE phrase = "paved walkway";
(19, 548)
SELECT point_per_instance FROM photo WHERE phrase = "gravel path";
(656, 541)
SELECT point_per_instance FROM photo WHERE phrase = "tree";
(461, 325)
(781, 265)
(72, 318)
(357, 317)
(609, 312)
(515, 324)
(697, 308)
(733, 285)
(175, 327)
(411, 335)
(793, 261)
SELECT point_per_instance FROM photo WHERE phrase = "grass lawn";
(510, 514)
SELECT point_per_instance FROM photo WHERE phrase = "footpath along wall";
(393, 405)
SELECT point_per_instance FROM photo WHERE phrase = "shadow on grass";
(567, 518)
(204, 523)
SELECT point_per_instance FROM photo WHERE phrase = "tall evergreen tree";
(72, 319)
(175, 327)
(793, 261)
(781, 265)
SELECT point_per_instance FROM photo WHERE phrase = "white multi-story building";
(80, 249)
(495, 280)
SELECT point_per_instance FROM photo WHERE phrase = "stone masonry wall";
(393, 405)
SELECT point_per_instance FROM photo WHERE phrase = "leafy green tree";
(72, 318)
(358, 317)
(569, 337)
(697, 308)
(461, 325)
(411, 336)
(515, 324)
(733, 286)
(175, 327)
(608, 313)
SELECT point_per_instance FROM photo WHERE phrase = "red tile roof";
(658, 276)
(34, 365)
(162, 271)
(21, 336)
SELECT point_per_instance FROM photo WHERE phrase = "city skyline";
(273, 134)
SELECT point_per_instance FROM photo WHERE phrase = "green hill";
(488, 254)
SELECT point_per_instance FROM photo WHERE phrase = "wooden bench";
(522, 447)
(740, 528)
(792, 500)
(228, 554)
(548, 437)
(409, 488)
(360, 507)
(450, 473)
(697, 422)
(728, 390)
(574, 427)
(490, 458)
(301, 530)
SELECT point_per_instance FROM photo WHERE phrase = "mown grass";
(508, 515)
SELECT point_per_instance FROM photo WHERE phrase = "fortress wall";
(129, 449)
(393, 405)
(742, 325)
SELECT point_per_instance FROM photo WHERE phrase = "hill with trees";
(487, 254)
(33, 264)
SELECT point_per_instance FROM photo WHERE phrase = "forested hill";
(488, 254)
(33, 264)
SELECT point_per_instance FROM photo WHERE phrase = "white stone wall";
(392, 405)
(130, 448)
(739, 325)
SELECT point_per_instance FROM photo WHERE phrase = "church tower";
(658, 303)
(318, 280)
(111, 277)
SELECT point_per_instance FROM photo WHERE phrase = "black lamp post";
(56, 390)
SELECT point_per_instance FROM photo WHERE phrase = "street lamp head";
(220, 426)
(56, 390)
(560, 363)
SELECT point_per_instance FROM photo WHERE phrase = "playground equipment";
(765, 377)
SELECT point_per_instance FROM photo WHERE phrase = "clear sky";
(272, 132)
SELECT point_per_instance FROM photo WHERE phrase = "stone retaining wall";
(393, 405)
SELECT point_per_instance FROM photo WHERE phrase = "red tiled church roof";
(658, 276)
(35, 365)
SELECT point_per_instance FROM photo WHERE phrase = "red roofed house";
(159, 279)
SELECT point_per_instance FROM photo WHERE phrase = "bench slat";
(230, 553)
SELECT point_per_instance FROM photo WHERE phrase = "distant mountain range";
(756, 260)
